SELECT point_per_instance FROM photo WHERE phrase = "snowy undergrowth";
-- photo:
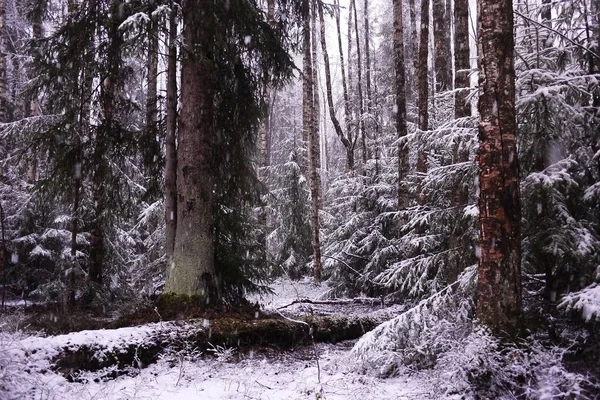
(480, 366)
(416, 337)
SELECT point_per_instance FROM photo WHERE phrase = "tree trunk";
(361, 109)
(442, 54)
(499, 285)
(34, 104)
(308, 128)
(424, 68)
(414, 40)
(3, 54)
(243, 335)
(193, 269)
(336, 124)
(401, 129)
(423, 96)
(462, 62)
(170, 143)
(368, 59)
(347, 116)
(315, 81)
(264, 132)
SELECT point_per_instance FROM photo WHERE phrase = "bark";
(3, 255)
(241, 334)
(361, 110)
(336, 123)
(193, 269)
(264, 132)
(308, 129)
(170, 143)
(34, 104)
(347, 115)
(462, 61)
(3, 55)
(499, 303)
(401, 128)
(442, 54)
(423, 67)
(423, 95)
(368, 58)
(414, 40)
(315, 79)
(152, 77)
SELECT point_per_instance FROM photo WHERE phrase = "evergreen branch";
(558, 33)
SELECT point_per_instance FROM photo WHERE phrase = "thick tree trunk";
(499, 285)
(401, 128)
(336, 124)
(462, 62)
(361, 109)
(442, 54)
(170, 143)
(193, 269)
(308, 127)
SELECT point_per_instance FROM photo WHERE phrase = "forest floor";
(318, 371)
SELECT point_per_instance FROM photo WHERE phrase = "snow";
(586, 301)
(254, 377)
(223, 373)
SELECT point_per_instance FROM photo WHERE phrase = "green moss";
(180, 306)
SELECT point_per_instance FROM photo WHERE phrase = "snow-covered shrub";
(419, 335)
(480, 366)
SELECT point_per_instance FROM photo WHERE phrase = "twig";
(331, 302)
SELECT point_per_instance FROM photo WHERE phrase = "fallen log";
(124, 348)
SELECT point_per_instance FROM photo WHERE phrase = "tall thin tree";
(499, 303)
(401, 127)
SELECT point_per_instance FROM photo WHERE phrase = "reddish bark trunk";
(499, 285)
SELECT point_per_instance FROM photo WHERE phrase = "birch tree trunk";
(192, 271)
(401, 129)
(499, 303)
(170, 142)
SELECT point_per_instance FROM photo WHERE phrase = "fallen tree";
(137, 347)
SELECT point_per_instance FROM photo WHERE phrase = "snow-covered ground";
(284, 377)
(327, 371)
